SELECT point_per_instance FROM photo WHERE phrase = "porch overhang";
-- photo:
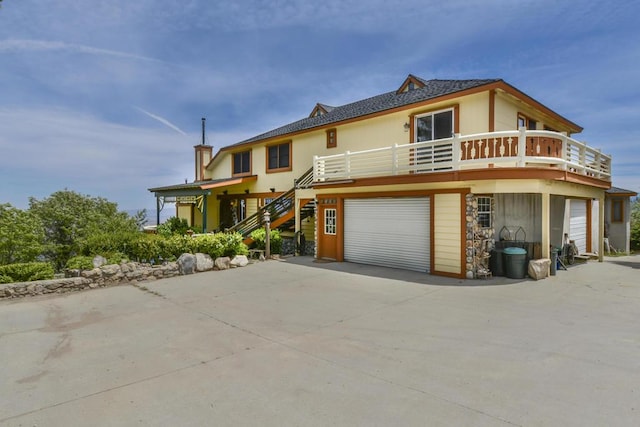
(228, 181)
(193, 192)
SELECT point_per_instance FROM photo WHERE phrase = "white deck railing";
(519, 148)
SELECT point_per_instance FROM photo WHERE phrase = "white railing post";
(456, 154)
(598, 162)
(394, 159)
(583, 160)
(522, 147)
(347, 164)
(316, 169)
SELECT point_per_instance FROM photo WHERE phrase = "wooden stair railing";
(281, 209)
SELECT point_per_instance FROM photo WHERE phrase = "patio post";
(204, 213)
(546, 225)
(157, 210)
(267, 234)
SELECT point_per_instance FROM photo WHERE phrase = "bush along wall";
(26, 272)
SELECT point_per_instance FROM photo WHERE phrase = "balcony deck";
(519, 148)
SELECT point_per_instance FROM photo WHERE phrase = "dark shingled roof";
(620, 191)
(386, 101)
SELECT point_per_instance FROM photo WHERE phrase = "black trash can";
(554, 261)
(515, 261)
(496, 262)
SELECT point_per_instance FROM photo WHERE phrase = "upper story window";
(242, 163)
(526, 122)
(332, 138)
(432, 126)
(279, 157)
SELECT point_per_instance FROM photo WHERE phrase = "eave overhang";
(199, 188)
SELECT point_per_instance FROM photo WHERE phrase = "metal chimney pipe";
(203, 120)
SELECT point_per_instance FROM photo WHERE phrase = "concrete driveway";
(301, 343)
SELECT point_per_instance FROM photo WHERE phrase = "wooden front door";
(327, 229)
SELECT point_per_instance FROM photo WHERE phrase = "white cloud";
(61, 148)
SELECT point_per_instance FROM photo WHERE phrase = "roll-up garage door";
(388, 232)
(578, 224)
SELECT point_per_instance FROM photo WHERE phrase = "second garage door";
(578, 224)
(388, 232)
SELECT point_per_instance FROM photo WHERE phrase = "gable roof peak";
(320, 109)
(410, 83)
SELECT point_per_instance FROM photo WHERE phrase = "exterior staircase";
(281, 210)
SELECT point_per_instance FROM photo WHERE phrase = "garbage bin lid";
(514, 251)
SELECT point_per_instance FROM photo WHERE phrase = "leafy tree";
(70, 218)
(21, 235)
(635, 224)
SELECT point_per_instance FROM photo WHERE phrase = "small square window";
(332, 138)
(484, 212)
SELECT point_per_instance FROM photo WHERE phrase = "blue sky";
(105, 98)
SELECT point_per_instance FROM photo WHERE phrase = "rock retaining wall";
(114, 274)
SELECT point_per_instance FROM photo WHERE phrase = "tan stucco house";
(428, 177)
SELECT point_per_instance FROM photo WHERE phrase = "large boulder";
(99, 261)
(223, 263)
(204, 262)
(111, 270)
(239, 261)
(187, 263)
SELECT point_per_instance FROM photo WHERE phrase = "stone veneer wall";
(475, 236)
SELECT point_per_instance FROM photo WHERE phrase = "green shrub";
(210, 244)
(259, 237)
(26, 272)
(154, 248)
(80, 262)
(5, 279)
(102, 243)
(174, 225)
(116, 258)
(145, 248)
(220, 244)
(234, 245)
(173, 246)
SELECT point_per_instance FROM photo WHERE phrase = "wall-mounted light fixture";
(225, 192)
(406, 126)
(273, 190)
(246, 191)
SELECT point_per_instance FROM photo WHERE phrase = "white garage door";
(388, 232)
(578, 224)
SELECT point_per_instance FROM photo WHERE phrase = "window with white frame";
(484, 212)
(330, 221)
(433, 126)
